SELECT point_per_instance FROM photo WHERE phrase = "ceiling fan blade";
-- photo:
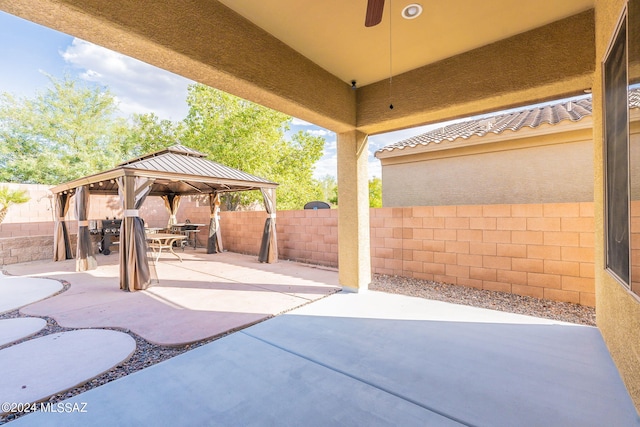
(374, 12)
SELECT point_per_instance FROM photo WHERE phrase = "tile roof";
(572, 109)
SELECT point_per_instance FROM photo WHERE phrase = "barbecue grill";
(110, 232)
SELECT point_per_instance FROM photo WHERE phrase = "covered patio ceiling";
(457, 58)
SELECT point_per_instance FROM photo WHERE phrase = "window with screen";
(616, 157)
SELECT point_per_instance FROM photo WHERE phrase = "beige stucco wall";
(551, 168)
(618, 311)
(542, 64)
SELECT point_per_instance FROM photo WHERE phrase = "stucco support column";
(354, 246)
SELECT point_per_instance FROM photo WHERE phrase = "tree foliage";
(375, 192)
(329, 189)
(72, 130)
(249, 137)
(66, 132)
(10, 197)
(148, 133)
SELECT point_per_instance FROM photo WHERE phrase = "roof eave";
(87, 180)
(172, 176)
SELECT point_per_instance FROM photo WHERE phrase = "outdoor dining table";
(153, 230)
(160, 241)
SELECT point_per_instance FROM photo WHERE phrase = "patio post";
(354, 247)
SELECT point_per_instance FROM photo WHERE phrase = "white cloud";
(327, 165)
(375, 168)
(139, 87)
(319, 132)
(331, 145)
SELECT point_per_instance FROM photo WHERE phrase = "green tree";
(249, 137)
(375, 192)
(329, 189)
(68, 131)
(10, 197)
(148, 133)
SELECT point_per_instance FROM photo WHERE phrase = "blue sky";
(29, 52)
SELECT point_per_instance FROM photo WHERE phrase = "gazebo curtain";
(134, 265)
(172, 203)
(214, 243)
(61, 242)
(269, 246)
(85, 258)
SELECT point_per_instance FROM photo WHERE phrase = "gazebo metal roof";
(176, 170)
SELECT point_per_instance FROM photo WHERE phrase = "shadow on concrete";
(318, 370)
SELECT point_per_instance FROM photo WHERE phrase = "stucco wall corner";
(617, 311)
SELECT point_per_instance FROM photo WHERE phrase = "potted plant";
(10, 197)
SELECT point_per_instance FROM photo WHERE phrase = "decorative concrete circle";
(15, 329)
(18, 291)
(34, 370)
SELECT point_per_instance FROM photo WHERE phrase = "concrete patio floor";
(204, 296)
(365, 359)
(373, 359)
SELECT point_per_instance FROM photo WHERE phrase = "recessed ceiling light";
(411, 11)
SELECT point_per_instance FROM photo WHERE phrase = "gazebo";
(169, 173)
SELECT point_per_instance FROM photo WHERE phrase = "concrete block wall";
(28, 248)
(242, 231)
(309, 236)
(539, 250)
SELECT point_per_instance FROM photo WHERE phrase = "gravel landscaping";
(147, 354)
(501, 301)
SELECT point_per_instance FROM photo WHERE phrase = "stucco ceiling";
(460, 57)
(332, 34)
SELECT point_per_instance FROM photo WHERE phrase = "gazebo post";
(214, 243)
(269, 246)
(172, 203)
(134, 265)
(61, 242)
(85, 259)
